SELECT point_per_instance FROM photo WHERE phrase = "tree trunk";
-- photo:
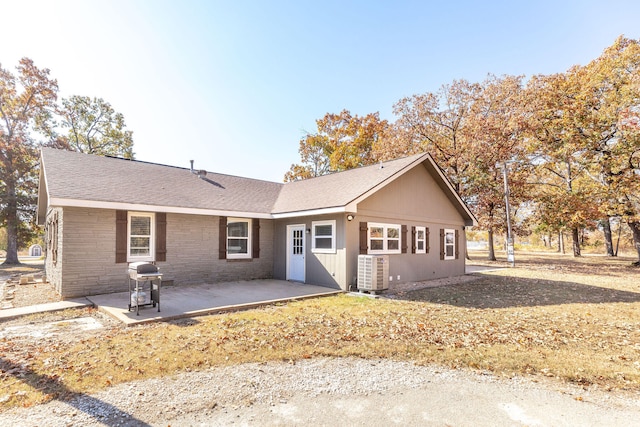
(492, 252)
(576, 241)
(12, 222)
(608, 238)
(561, 242)
(635, 229)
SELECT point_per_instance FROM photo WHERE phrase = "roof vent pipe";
(191, 165)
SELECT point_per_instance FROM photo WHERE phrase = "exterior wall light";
(350, 217)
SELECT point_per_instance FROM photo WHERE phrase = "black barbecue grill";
(139, 274)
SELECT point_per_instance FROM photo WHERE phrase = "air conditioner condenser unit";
(373, 273)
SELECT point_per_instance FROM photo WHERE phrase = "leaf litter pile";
(576, 321)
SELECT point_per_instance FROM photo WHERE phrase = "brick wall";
(54, 271)
(192, 252)
(87, 257)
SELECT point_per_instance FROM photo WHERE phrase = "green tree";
(27, 101)
(94, 127)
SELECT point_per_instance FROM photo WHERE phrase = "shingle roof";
(77, 179)
(76, 176)
(338, 189)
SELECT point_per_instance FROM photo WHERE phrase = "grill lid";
(143, 268)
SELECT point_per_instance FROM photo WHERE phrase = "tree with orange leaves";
(343, 141)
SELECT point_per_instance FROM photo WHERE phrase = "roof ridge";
(377, 164)
(144, 162)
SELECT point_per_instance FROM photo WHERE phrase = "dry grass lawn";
(573, 320)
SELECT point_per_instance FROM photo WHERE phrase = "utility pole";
(510, 253)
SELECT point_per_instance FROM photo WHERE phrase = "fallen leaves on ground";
(583, 328)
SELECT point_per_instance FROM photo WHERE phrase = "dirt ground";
(13, 294)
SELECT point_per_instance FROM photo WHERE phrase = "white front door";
(295, 252)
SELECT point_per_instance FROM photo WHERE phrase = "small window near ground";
(238, 238)
(323, 236)
(449, 244)
(421, 240)
(384, 238)
(140, 241)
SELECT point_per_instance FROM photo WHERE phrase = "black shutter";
(222, 238)
(457, 245)
(255, 238)
(121, 236)
(161, 236)
(363, 238)
(442, 244)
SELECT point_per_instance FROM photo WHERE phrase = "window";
(449, 244)
(323, 237)
(140, 241)
(384, 239)
(421, 240)
(238, 238)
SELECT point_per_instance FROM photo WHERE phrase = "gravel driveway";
(320, 392)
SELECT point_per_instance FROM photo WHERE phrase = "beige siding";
(414, 199)
(320, 268)
(414, 196)
(87, 253)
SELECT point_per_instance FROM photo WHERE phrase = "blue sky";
(234, 85)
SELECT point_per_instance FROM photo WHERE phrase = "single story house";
(101, 213)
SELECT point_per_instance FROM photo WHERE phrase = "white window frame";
(332, 249)
(248, 239)
(152, 237)
(423, 240)
(452, 232)
(385, 238)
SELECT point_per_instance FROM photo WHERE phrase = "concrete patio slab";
(470, 268)
(196, 300)
(11, 313)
